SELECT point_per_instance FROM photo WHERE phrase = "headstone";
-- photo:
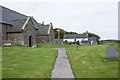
(91, 42)
(112, 53)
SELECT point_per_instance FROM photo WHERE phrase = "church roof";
(8, 15)
(44, 29)
(17, 25)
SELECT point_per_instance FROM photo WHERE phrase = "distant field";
(88, 62)
(24, 62)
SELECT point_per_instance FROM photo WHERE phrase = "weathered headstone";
(112, 53)
(91, 43)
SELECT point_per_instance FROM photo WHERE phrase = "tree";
(71, 33)
(94, 35)
(62, 32)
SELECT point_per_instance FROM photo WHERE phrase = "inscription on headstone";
(112, 53)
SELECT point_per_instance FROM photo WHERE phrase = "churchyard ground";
(24, 62)
(89, 61)
(86, 62)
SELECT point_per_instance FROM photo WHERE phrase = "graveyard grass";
(86, 62)
(24, 62)
(89, 62)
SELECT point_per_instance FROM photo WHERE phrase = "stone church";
(17, 28)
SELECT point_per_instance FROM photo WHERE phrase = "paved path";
(62, 68)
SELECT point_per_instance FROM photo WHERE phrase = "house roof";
(74, 36)
(44, 29)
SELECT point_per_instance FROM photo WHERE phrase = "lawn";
(0, 62)
(24, 62)
(88, 62)
(54, 46)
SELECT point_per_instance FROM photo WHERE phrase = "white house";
(75, 37)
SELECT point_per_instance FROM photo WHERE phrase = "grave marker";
(112, 53)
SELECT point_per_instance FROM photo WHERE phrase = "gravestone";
(91, 43)
(112, 53)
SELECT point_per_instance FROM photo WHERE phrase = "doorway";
(30, 41)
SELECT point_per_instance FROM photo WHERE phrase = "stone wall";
(43, 39)
(29, 31)
(16, 38)
(3, 32)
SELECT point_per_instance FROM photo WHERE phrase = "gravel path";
(62, 68)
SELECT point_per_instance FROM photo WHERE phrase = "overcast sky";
(96, 16)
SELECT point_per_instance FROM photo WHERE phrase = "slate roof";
(43, 29)
(92, 39)
(74, 36)
(17, 25)
(36, 24)
(9, 15)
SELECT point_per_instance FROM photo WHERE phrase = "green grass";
(54, 46)
(0, 62)
(24, 62)
(88, 62)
